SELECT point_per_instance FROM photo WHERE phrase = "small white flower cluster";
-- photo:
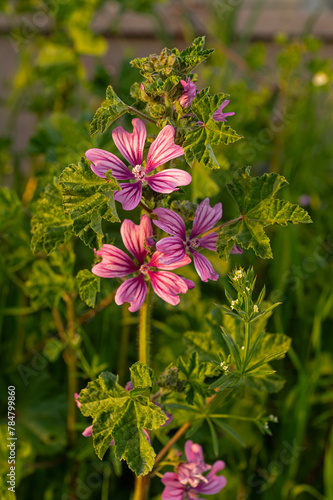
(238, 275)
(273, 418)
(255, 308)
(224, 365)
(266, 425)
(233, 303)
(247, 288)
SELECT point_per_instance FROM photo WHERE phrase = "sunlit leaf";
(259, 209)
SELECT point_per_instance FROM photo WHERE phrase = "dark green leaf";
(233, 347)
(229, 430)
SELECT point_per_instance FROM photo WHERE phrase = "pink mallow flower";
(189, 482)
(189, 93)
(162, 150)
(129, 386)
(174, 248)
(116, 264)
(219, 116)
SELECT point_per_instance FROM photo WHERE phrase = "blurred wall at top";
(129, 28)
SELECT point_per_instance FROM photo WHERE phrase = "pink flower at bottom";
(189, 482)
(117, 264)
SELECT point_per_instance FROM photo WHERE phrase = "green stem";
(144, 328)
(247, 343)
(142, 482)
(143, 115)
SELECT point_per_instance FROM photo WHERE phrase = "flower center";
(144, 269)
(139, 172)
(195, 243)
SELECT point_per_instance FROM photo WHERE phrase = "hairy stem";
(124, 345)
(142, 482)
(144, 328)
(141, 489)
(71, 364)
(144, 206)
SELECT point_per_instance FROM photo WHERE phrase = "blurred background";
(275, 61)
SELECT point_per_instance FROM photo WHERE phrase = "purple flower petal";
(102, 161)
(188, 282)
(189, 93)
(168, 180)
(193, 452)
(209, 241)
(163, 149)
(236, 250)
(203, 267)
(134, 291)
(129, 386)
(167, 286)
(173, 249)
(87, 431)
(134, 236)
(76, 396)
(131, 145)
(219, 116)
(170, 222)
(205, 217)
(115, 263)
(155, 261)
(215, 483)
(130, 195)
(173, 489)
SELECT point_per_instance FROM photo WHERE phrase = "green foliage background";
(286, 120)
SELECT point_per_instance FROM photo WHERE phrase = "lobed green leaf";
(254, 196)
(110, 110)
(117, 415)
(89, 285)
(88, 199)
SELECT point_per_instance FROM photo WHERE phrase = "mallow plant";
(162, 234)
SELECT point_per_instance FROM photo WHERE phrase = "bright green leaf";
(88, 199)
(117, 415)
(111, 109)
(259, 208)
(141, 375)
(198, 142)
(88, 284)
(50, 226)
